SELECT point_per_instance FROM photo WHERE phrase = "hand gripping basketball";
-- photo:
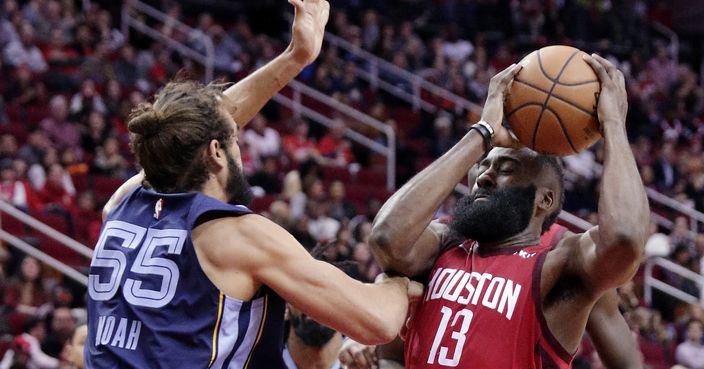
(493, 112)
(613, 100)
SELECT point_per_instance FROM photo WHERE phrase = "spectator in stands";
(34, 148)
(15, 191)
(63, 63)
(665, 167)
(663, 67)
(264, 141)
(54, 195)
(9, 14)
(313, 190)
(113, 36)
(87, 220)
(8, 146)
(25, 51)
(163, 68)
(62, 326)
(298, 146)
(366, 263)
(60, 131)
(334, 146)
(226, 51)
(114, 98)
(72, 164)
(86, 101)
(108, 160)
(34, 334)
(340, 209)
(124, 67)
(96, 133)
(691, 352)
(84, 40)
(24, 90)
(267, 177)
(97, 66)
(52, 20)
(321, 226)
(37, 173)
(25, 293)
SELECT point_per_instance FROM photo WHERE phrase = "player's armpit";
(250, 250)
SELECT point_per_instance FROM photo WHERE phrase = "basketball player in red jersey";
(496, 297)
(607, 329)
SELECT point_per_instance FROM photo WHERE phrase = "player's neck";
(528, 237)
(214, 189)
(307, 357)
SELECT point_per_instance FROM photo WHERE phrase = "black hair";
(553, 163)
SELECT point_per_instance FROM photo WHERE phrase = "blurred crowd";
(69, 77)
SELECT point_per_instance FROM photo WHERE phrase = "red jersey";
(482, 310)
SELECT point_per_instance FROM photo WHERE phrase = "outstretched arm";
(248, 96)
(610, 253)
(240, 254)
(611, 336)
(403, 238)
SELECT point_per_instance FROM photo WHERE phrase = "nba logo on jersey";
(525, 254)
(157, 208)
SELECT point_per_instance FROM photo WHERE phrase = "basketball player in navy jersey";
(497, 297)
(180, 278)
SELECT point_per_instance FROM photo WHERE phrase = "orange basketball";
(551, 106)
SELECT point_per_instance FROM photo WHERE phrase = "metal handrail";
(206, 59)
(43, 257)
(674, 46)
(43, 228)
(650, 282)
(388, 150)
(674, 204)
(414, 80)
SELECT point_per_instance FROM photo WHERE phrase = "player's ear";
(215, 156)
(545, 199)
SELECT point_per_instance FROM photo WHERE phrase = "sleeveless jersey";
(150, 304)
(482, 310)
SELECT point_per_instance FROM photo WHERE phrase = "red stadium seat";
(11, 225)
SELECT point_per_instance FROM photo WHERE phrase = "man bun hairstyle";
(170, 135)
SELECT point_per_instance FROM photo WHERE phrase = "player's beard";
(237, 186)
(500, 215)
(311, 332)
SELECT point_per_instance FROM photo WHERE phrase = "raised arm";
(611, 252)
(248, 96)
(611, 336)
(239, 254)
(403, 238)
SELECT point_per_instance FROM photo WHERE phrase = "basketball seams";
(562, 127)
(528, 84)
(549, 94)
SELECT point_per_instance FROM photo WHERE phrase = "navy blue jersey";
(151, 305)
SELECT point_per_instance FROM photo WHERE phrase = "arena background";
(394, 87)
